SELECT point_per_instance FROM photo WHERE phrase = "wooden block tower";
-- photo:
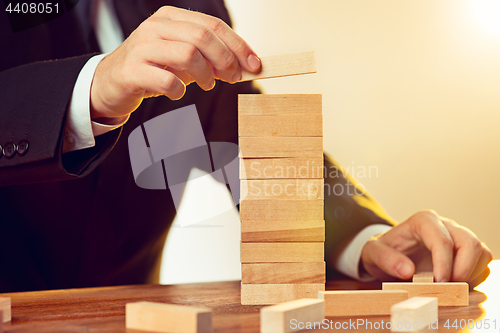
(281, 207)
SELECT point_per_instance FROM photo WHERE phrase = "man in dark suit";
(75, 218)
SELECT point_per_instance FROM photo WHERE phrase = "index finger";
(247, 58)
(433, 233)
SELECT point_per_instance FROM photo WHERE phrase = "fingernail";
(253, 62)
(236, 76)
(403, 269)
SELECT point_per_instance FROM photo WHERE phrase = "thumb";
(388, 260)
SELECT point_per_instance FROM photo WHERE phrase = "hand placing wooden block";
(447, 293)
(281, 168)
(282, 231)
(360, 302)
(423, 277)
(5, 307)
(283, 272)
(282, 210)
(283, 65)
(160, 317)
(414, 314)
(261, 294)
(282, 189)
(282, 252)
(285, 317)
(283, 125)
(252, 147)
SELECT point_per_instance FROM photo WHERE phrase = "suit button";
(9, 150)
(22, 147)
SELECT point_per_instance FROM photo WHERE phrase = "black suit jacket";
(78, 219)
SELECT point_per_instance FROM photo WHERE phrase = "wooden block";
(285, 125)
(448, 293)
(160, 317)
(282, 231)
(424, 277)
(261, 294)
(279, 104)
(5, 307)
(282, 252)
(282, 189)
(281, 210)
(283, 65)
(278, 273)
(281, 168)
(361, 302)
(414, 314)
(281, 147)
(282, 318)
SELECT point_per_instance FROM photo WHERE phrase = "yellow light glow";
(487, 13)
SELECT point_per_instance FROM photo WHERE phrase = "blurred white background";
(409, 87)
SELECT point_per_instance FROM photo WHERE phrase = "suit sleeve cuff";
(80, 131)
(348, 261)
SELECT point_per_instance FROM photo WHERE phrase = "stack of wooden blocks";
(281, 206)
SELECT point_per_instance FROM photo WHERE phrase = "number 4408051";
(471, 324)
(32, 8)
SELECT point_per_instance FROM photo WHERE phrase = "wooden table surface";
(103, 309)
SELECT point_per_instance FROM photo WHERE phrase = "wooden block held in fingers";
(282, 252)
(283, 65)
(279, 168)
(283, 272)
(160, 317)
(414, 314)
(448, 293)
(424, 277)
(261, 294)
(279, 318)
(281, 189)
(281, 210)
(251, 147)
(283, 125)
(282, 231)
(5, 307)
(279, 104)
(361, 302)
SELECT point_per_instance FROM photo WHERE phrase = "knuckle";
(203, 36)
(217, 25)
(165, 10)
(447, 242)
(229, 61)
(169, 82)
(190, 52)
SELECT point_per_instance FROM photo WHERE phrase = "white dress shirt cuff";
(348, 261)
(80, 131)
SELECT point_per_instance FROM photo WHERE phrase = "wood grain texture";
(282, 189)
(277, 318)
(161, 317)
(279, 104)
(278, 273)
(5, 307)
(282, 210)
(255, 294)
(283, 65)
(360, 302)
(103, 309)
(282, 231)
(281, 168)
(423, 277)
(448, 293)
(414, 314)
(282, 125)
(282, 252)
(251, 147)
